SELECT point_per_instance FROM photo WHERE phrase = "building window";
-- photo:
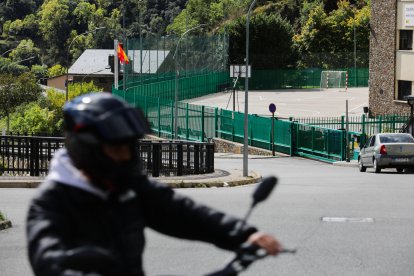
(404, 89)
(406, 39)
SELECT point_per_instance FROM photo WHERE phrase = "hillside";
(37, 34)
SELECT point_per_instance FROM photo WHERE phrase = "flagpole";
(116, 64)
(124, 70)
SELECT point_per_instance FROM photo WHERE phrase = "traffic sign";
(272, 108)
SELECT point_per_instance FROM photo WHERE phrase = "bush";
(2, 217)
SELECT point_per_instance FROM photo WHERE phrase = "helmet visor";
(123, 124)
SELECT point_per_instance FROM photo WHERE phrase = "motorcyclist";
(89, 214)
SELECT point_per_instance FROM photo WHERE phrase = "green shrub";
(2, 217)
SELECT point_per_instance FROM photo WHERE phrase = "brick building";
(391, 56)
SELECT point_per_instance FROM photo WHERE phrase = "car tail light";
(383, 150)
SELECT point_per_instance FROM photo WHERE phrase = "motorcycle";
(249, 253)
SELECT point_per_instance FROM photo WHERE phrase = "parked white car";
(387, 150)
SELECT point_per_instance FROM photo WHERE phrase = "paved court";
(296, 103)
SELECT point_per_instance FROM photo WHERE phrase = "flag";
(123, 58)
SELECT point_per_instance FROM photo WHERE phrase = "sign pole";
(272, 109)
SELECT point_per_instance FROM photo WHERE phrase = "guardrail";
(31, 155)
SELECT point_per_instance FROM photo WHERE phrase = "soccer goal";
(334, 79)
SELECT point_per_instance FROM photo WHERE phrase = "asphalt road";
(307, 191)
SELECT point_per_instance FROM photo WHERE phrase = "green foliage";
(266, 33)
(31, 118)
(16, 91)
(25, 53)
(2, 217)
(40, 71)
(7, 66)
(56, 70)
(52, 25)
(332, 32)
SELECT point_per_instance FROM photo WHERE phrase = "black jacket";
(71, 227)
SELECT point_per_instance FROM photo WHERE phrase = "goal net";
(333, 79)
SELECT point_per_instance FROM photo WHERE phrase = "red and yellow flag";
(123, 58)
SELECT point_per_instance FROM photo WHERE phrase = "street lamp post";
(67, 57)
(177, 73)
(246, 96)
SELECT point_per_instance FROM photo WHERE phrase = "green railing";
(191, 86)
(359, 124)
(200, 123)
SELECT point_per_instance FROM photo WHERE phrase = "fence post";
(180, 159)
(172, 120)
(343, 145)
(159, 118)
(202, 123)
(210, 158)
(328, 135)
(342, 122)
(196, 158)
(313, 138)
(232, 126)
(363, 123)
(187, 130)
(249, 126)
(216, 122)
(292, 135)
(156, 159)
(34, 157)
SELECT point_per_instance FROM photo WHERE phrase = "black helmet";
(108, 118)
(94, 119)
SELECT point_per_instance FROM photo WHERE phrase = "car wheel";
(362, 168)
(377, 168)
(400, 170)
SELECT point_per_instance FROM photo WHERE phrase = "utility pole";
(246, 97)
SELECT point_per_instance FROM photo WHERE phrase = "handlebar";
(246, 255)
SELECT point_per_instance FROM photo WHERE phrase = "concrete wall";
(383, 58)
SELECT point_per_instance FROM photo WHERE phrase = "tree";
(7, 66)
(39, 71)
(332, 34)
(54, 26)
(14, 92)
(31, 118)
(25, 53)
(56, 70)
(270, 41)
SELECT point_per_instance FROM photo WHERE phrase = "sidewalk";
(351, 163)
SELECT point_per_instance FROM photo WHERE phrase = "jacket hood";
(64, 172)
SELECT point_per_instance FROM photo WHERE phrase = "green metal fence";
(359, 124)
(188, 87)
(201, 123)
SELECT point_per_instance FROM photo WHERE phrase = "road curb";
(5, 224)
(235, 181)
(346, 164)
(20, 183)
(181, 183)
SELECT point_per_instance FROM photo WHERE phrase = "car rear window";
(396, 139)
